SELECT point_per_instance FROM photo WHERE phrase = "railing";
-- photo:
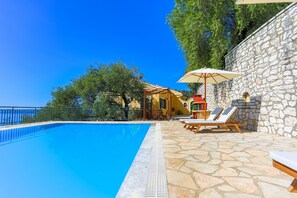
(10, 115)
(15, 115)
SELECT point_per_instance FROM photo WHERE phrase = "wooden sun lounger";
(287, 163)
(224, 125)
(226, 121)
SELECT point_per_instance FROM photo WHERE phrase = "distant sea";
(15, 116)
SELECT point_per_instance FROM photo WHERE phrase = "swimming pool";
(67, 160)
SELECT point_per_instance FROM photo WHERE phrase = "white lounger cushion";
(190, 119)
(214, 114)
(204, 122)
(288, 159)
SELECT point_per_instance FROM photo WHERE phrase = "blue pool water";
(68, 160)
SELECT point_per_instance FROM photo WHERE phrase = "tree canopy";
(100, 90)
(65, 96)
(206, 30)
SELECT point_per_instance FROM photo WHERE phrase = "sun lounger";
(287, 163)
(213, 116)
(226, 120)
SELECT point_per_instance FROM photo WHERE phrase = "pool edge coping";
(147, 174)
(69, 122)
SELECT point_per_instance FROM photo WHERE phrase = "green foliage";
(135, 114)
(251, 17)
(90, 85)
(179, 112)
(206, 30)
(65, 96)
(105, 108)
(187, 93)
(96, 95)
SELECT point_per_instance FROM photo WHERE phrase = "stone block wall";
(268, 61)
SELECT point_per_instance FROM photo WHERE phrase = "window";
(162, 103)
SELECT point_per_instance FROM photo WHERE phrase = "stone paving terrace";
(223, 164)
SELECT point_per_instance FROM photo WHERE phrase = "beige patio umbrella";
(208, 76)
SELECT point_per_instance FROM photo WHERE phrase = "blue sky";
(46, 43)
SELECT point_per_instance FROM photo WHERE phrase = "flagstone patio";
(223, 164)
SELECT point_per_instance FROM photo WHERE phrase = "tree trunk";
(126, 108)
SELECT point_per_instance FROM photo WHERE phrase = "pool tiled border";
(147, 174)
(157, 180)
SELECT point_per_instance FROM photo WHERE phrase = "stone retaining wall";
(268, 61)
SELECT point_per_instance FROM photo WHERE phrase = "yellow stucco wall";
(178, 104)
(156, 101)
(135, 105)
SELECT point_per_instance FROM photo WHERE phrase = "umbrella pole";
(205, 97)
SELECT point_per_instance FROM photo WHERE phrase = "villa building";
(162, 103)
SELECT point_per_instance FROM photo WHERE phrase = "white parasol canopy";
(212, 76)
